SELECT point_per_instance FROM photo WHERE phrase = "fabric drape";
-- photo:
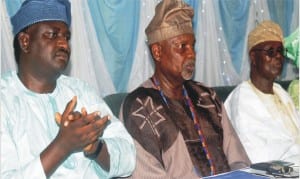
(110, 52)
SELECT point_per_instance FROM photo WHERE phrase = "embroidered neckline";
(283, 108)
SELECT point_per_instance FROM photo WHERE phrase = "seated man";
(84, 145)
(260, 110)
(180, 127)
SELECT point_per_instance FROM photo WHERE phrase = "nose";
(191, 53)
(279, 55)
(63, 42)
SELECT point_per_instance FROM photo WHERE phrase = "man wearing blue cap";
(53, 125)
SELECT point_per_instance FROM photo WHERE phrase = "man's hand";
(70, 107)
(80, 128)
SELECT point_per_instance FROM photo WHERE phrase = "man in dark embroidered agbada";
(180, 127)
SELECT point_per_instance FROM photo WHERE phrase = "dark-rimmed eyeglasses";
(271, 52)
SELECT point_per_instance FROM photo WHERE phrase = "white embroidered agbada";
(28, 127)
(266, 132)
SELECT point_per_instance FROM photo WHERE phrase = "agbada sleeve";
(119, 143)
(233, 148)
(11, 166)
(121, 150)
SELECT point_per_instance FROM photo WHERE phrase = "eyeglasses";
(273, 52)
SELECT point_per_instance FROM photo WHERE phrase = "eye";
(51, 35)
(56, 34)
(282, 51)
(182, 45)
(271, 52)
(68, 36)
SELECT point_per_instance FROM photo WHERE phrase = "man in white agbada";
(83, 144)
(260, 110)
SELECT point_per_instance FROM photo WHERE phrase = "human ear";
(23, 39)
(252, 56)
(156, 51)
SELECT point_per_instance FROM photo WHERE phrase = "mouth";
(62, 55)
(278, 65)
(188, 69)
(189, 66)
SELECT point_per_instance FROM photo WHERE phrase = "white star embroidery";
(154, 114)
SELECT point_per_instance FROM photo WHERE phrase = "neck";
(265, 86)
(37, 84)
(170, 88)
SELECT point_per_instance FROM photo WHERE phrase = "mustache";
(63, 50)
(189, 62)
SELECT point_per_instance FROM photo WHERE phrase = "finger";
(74, 115)
(83, 115)
(85, 120)
(58, 118)
(88, 148)
(66, 123)
(95, 128)
(70, 106)
(92, 117)
(94, 137)
(83, 111)
(101, 123)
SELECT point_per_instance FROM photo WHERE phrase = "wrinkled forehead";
(55, 25)
(275, 44)
(187, 37)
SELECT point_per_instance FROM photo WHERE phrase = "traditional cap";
(265, 31)
(291, 43)
(33, 11)
(172, 18)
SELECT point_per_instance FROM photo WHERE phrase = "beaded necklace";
(189, 103)
(161, 93)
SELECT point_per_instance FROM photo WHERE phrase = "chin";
(187, 77)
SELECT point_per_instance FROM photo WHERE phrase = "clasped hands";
(80, 130)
